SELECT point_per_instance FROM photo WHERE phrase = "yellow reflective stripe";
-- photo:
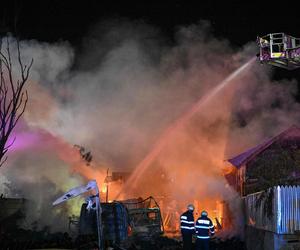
(277, 54)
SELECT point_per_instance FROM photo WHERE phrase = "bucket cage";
(279, 49)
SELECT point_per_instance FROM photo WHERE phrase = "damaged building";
(267, 178)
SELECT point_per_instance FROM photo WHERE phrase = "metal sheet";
(286, 210)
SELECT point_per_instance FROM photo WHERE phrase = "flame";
(228, 169)
(104, 188)
(182, 167)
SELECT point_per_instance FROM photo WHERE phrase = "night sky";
(50, 20)
(237, 21)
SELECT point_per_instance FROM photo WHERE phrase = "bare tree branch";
(13, 96)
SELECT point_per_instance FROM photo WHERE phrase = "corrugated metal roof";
(251, 153)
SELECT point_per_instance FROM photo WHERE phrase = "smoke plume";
(118, 93)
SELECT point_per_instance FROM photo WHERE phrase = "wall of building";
(284, 214)
(259, 239)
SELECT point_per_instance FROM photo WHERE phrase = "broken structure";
(267, 178)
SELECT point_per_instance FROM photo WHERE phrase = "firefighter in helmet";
(204, 229)
(187, 227)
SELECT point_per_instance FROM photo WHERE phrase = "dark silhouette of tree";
(85, 155)
(13, 96)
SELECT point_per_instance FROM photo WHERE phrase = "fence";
(285, 208)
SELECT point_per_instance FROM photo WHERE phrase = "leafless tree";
(13, 96)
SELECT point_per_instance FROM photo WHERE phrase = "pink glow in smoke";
(41, 140)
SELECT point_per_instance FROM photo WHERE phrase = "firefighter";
(187, 226)
(204, 229)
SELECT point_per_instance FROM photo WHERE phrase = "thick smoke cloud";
(117, 94)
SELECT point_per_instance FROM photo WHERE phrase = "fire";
(171, 208)
(186, 165)
(217, 212)
(228, 169)
(215, 209)
(104, 188)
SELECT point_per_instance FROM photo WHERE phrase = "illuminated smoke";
(178, 124)
(119, 94)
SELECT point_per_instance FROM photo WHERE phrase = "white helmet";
(191, 207)
(204, 213)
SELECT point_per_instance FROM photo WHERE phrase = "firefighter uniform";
(187, 227)
(204, 229)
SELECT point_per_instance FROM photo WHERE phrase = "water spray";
(178, 124)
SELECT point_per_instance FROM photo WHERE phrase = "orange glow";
(104, 188)
(171, 209)
(251, 221)
(228, 169)
(90, 172)
(186, 166)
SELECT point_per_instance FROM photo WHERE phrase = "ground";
(43, 240)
